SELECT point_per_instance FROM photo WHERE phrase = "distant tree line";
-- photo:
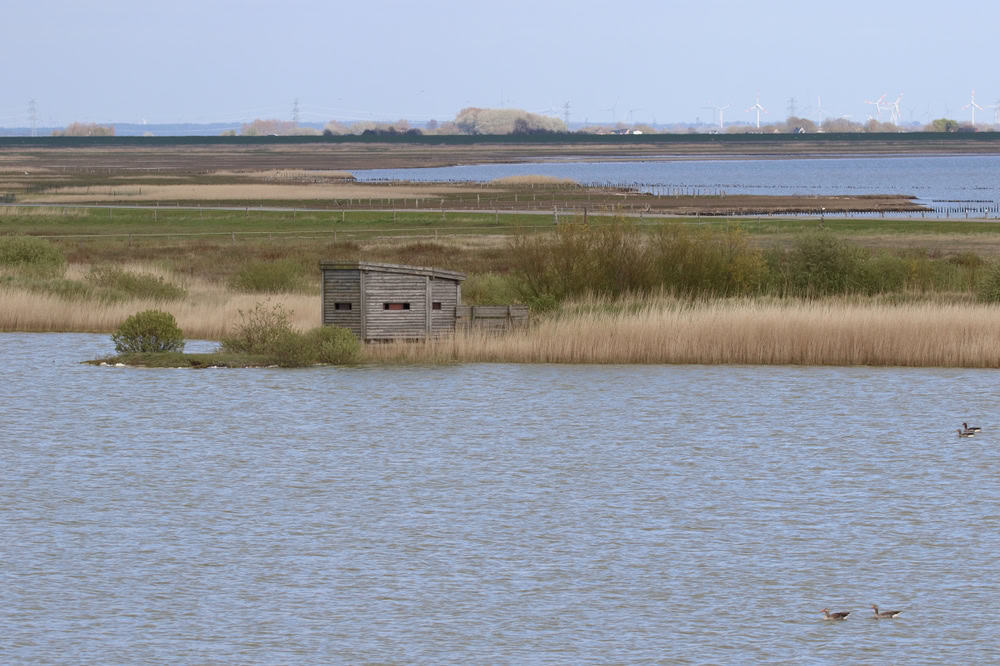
(473, 121)
(85, 129)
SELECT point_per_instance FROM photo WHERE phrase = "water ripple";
(492, 513)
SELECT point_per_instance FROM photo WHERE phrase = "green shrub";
(490, 289)
(122, 285)
(269, 277)
(700, 262)
(259, 329)
(883, 273)
(290, 349)
(967, 259)
(149, 331)
(822, 265)
(333, 344)
(31, 254)
(989, 287)
(621, 258)
(266, 331)
(69, 290)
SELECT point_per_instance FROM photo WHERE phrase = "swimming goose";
(970, 428)
(827, 615)
(966, 433)
(884, 615)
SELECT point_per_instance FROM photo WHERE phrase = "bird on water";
(884, 615)
(965, 433)
(827, 615)
(969, 428)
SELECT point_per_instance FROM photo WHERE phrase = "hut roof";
(392, 268)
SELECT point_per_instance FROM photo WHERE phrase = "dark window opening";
(436, 305)
(341, 306)
(395, 306)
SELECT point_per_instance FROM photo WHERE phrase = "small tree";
(85, 129)
(942, 125)
(149, 331)
(259, 330)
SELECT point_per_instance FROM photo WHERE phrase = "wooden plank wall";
(382, 324)
(368, 290)
(444, 292)
(492, 317)
(343, 286)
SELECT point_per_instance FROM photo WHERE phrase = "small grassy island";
(264, 338)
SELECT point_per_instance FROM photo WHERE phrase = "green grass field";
(178, 221)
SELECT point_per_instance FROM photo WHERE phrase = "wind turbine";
(719, 109)
(972, 105)
(756, 106)
(894, 110)
(819, 111)
(996, 112)
(878, 106)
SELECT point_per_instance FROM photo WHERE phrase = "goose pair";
(879, 615)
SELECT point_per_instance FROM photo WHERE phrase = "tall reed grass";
(207, 313)
(735, 331)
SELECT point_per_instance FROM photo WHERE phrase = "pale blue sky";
(630, 60)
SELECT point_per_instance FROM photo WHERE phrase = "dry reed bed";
(745, 332)
(204, 315)
(751, 332)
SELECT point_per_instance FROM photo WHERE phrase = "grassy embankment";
(664, 290)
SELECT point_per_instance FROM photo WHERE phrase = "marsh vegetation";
(616, 287)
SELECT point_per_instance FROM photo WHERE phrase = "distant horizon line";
(237, 124)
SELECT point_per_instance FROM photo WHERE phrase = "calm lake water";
(492, 513)
(950, 184)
